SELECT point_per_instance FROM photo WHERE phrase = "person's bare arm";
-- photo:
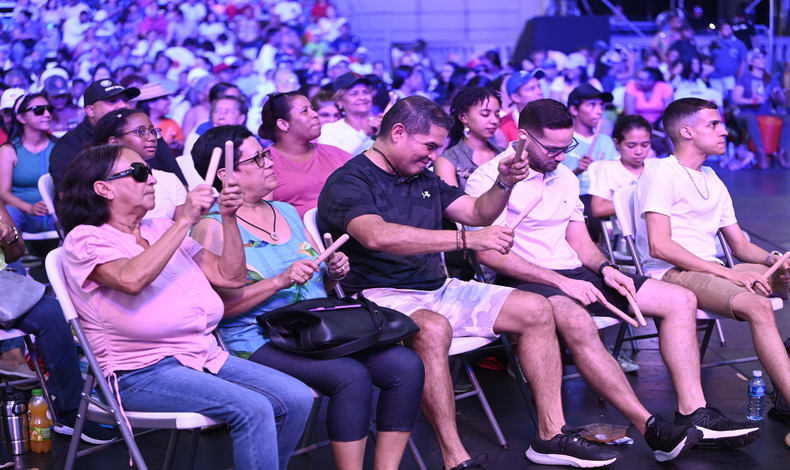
(446, 171)
(601, 207)
(8, 160)
(13, 250)
(659, 236)
(482, 211)
(591, 257)
(374, 233)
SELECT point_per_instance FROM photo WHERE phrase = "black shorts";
(579, 274)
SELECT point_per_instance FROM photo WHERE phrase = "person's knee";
(353, 378)
(531, 312)
(435, 330)
(573, 321)
(406, 367)
(760, 311)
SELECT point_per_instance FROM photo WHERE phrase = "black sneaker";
(669, 440)
(476, 462)
(718, 430)
(92, 432)
(569, 449)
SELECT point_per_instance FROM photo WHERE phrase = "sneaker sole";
(729, 439)
(565, 460)
(687, 443)
(69, 431)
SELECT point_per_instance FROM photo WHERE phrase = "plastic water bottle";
(755, 410)
(40, 440)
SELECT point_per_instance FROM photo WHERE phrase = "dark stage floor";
(762, 200)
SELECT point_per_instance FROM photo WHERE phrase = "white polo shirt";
(540, 238)
(666, 188)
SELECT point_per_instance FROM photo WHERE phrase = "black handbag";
(329, 328)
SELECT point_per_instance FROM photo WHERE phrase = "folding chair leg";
(634, 346)
(483, 401)
(41, 377)
(171, 449)
(416, 455)
(722, 341)
(80, 423)
(193, 447)
(308, 429)
(706, 338)
(618, 343)
(515, 365)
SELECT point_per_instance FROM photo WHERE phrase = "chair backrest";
(623, 201)
(47, 189)
(55, 274)
(312, 228)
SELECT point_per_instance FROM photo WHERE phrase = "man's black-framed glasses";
(259, 159)
(552, 153)
(138, 171)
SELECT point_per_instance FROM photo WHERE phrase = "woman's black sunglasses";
(39, 110)
(138, 171)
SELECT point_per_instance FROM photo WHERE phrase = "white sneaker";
(626, 363)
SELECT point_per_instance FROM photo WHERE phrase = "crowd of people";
(122, 103)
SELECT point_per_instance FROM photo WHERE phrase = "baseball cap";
(9, 98)
(585, 91)
(347, 80)
(104, 89)
(55, 85)
(151, 91)
(520, 78)
(575, 60)
(336, 59)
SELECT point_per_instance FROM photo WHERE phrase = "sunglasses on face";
(39, 110)
(259, 159)
(138, 171)
(144, 133)
(551, 153)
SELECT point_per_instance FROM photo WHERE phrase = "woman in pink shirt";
(301, 166)
(648, 95)
(143, 292)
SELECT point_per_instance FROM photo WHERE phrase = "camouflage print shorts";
(470, 307)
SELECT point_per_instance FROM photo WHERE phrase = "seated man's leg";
(266, 409)
(432, 344)
(750, 121)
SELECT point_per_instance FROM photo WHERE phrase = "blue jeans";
(31, 223)
(55, 345)
(266, 409)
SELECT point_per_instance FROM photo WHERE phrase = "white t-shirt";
(343, 136)
(604, 150)
(666, 188)
(194, 13)
(608, 176)
(169, 192)
(540, 238)
(287, 10)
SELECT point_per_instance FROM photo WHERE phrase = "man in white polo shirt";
(553, 255)
(682, 206)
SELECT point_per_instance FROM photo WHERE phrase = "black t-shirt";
(359, 188)
(744, 30)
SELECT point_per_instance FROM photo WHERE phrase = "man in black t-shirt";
(392, 207)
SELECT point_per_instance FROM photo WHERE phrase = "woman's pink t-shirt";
(299, 184)
(172, 316)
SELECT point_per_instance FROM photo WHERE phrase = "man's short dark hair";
(216, 138)
(544, 114)
(680, 111)
(417, 114)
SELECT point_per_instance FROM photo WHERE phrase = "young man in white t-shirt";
(682, 205)
(553, 255)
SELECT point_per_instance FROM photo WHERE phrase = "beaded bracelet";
(338, 279)
(463, 240)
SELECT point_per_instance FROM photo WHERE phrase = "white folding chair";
(625, 211)
(106, 410)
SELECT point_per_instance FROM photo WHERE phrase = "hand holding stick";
(332, 248)
(635, 308)
(328, 242)
(522, 140)
(228, 160)
(620, 314)
(216, 154)
(777, 265)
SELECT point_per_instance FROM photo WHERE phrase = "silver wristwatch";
(771, 255)
(503, 186)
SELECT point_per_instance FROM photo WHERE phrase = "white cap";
(757, 373)
(10, 96)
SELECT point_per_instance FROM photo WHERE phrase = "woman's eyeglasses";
(551, 153)
(39, 110)
(258, 159)
(144, 133)
(138, 171)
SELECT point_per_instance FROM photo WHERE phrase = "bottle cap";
(37, 392)
(755, 373)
